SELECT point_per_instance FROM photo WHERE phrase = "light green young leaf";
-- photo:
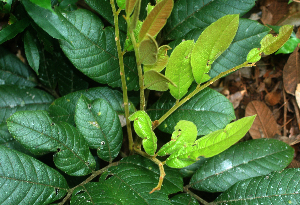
(162, 60)
(179, 69)
(185, 134)
(37, 133)
(148, 51)
(156, 81)
(26, 180)
(100, 125)
(211, 144)
(121, 4)
(270, 44)
(143, 127)
(156, 19)
(213, 41)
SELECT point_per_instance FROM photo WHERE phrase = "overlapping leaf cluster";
(69, 50)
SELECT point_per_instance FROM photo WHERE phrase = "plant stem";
(198, 89)
(122, 73)
(160, 164)
(90, 178)
(185, 189)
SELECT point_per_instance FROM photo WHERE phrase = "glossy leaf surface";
(37, 133)
(100, 126)
(94, 52)
(14, 72)
(213, 41)
(179, 69)
(211, 144)
(143, 127)
(242, 161)
(15, 98)
(185, 134)
(46, 19)
(63, 109)
(25, 179)
(208, 110)
(130, 183)
(276, 188)
(183, 199)
(32, 51)
(190, 14)
(12, 30)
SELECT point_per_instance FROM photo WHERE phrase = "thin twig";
(161, 169)
(185, 189)
(122, 73)
(284, 113)
(90, 178)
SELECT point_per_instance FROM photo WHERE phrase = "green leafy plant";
(51, 111)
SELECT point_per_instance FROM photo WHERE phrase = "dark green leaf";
(93, 51)
(8, 141)
(276, 188)
(31, 48)
(25, 180)
(104, 9)
(46, 4)
(11, 31)
(242, 161)
(190, 14)
(132, 180)
(183, 199)
(179, 69)
(213, 41)
(100, 126)
(208, 110)
(13, 71)
(63, 109)
(69, 79)
(37, 133)
(47, 20)
(14, 98)
(48, 70)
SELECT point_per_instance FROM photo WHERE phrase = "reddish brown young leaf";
(264, 124)
(291, 72)
(156, 19)
(130, 6)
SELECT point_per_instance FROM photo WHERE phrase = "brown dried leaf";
(294, 164)
(264, 125)
(291, 72)
(130, 4)
(297, 95)
(156, 19)
(273, 11)
(236, 98)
